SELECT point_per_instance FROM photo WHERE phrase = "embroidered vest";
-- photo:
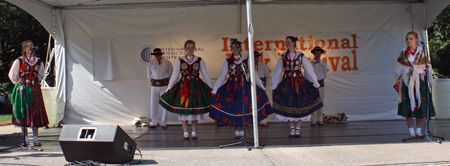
(190, 71)
(31, 72)
(235, 71)
(292, 68)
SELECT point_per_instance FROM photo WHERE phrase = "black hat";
(157, 51)
(257, 54)
(317, 48)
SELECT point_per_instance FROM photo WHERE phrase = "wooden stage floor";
(211, 135)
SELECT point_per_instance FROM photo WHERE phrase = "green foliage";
(441, 60)
(16, 25)
(438, 38)
(5, 118)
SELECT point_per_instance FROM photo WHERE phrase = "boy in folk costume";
(264, 74)
(262, 70)
(159, 71)
(189, 96)
(320, 68)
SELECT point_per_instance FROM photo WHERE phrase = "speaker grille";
(87, 133)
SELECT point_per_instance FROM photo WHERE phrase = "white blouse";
(224, 72)
(263, 71)
(14, 71)
(320, 68)
(176, 73)
(309, 71)
(159, 71)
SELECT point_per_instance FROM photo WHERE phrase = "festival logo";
(170, 53)
(146, 53)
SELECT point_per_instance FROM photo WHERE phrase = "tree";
(16, 25)
(438, 38)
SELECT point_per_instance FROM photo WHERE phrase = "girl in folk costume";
(228, 99)
(189, 97)
(27, 72)
(411, 86)
(294, 98)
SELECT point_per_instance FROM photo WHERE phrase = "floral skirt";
(296, 98)
(192, 97)
(229, 101)
(31, 112)
(404, 108)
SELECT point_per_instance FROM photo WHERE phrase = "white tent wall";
(110, 101)
(361, 95)
(60, 64)
(119, 101)
(124, 94)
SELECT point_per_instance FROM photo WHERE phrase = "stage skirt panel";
(294, 97)
(227, 104)
(404, 108)
(187, 97)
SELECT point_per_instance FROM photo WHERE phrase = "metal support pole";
(252, 73)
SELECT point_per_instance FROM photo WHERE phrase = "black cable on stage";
(98, 163)
(85, 163)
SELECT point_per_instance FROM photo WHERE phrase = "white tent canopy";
(101, 76)
(43, 9)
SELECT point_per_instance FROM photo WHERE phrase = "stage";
(276, 135)
(355, 143)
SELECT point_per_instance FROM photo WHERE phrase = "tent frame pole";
(252, 73)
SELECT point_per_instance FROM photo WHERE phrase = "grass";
(5, 118)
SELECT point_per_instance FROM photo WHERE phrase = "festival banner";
(360, 64)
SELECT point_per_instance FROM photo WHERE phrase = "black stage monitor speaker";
(104, 143)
